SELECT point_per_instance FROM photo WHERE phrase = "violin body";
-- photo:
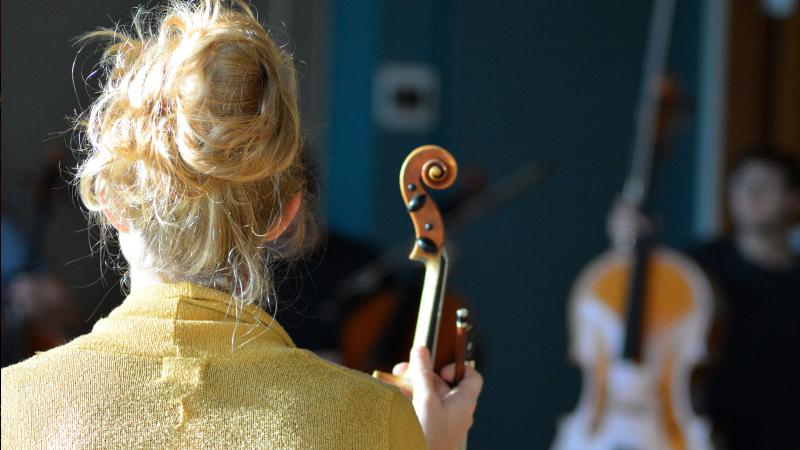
(645, 403)
(363, 339)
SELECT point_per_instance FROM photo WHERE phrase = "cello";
(639, 316)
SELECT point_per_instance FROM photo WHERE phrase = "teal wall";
(551, 81)
(351, 162)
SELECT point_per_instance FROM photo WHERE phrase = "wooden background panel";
(763, 92)
(785, 131)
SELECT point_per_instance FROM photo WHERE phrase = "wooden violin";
(639, 316)
(435, 168)
(378, 329)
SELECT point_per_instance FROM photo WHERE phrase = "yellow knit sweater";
(172, 367)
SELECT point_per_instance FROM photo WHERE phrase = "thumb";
(400, 368)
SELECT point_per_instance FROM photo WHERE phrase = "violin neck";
(431, 301)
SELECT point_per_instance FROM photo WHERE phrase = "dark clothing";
(754, 393)
(308, 305)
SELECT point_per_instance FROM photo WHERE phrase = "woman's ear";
(120, 226)
(290, 210)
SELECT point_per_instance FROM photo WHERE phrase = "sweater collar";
(194, 316)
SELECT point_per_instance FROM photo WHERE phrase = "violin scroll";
(434, 167)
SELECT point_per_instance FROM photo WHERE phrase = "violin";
(379, 328)
(436, 168)
(639, 316)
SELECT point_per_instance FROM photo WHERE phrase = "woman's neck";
(132, 246)
(144, 278)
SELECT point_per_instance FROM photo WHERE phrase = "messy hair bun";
(194, 142)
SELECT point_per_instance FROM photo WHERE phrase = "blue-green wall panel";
(348, 187)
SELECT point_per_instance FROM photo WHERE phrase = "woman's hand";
(444, 413)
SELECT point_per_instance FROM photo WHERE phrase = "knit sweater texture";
(177, 366)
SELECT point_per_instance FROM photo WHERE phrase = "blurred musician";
(754, 391)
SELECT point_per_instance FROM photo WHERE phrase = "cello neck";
(634, 316)
(648, 125)
(656, 102)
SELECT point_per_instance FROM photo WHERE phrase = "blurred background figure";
(39, 313)
(752, 392)
(38, 309)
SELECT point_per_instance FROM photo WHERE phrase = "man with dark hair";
(754, 390)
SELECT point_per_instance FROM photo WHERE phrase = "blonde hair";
(194, 142)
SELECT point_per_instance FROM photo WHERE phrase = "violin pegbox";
(434, 167)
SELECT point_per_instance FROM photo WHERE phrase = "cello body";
(646, 403)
